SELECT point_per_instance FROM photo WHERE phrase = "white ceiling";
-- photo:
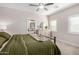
(26, 7)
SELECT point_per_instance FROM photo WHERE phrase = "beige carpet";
(67, 49)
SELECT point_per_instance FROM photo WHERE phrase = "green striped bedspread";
(27, 45)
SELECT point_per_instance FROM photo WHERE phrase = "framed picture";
(41, 25)
(32, 25)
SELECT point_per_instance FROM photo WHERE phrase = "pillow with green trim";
(5, 35)
(2, 41)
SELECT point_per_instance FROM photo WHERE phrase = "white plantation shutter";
(53, 25)
(74, 24)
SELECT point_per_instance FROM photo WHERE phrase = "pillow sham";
(5, 35)
(2, 41)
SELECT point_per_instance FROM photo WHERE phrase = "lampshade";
(3, 27)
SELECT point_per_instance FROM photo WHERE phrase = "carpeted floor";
(67, 49)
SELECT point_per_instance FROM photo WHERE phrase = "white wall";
(62, 25)
(16, 19)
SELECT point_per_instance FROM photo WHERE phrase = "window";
(74, 24)
(53, 25)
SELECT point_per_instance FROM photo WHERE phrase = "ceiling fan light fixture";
(56, 6)
(41, 7)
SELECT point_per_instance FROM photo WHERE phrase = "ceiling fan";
(41, 6)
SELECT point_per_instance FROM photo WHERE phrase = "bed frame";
(51, 38)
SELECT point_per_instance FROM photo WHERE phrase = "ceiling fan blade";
(46, 9)
(32, 5)
(49, 4)
(37, 9)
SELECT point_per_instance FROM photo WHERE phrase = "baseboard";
(68, 42)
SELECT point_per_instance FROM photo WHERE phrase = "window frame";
(69, 24)
(52, 26)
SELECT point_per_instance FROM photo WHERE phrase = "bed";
(28, 45)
